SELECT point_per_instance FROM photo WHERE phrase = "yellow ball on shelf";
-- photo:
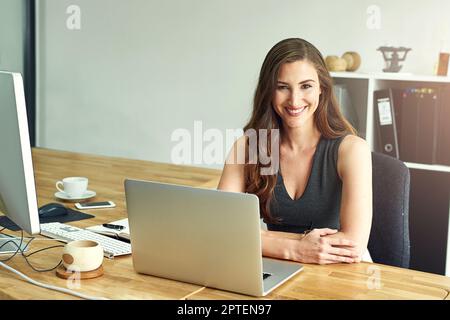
(353, 60)
(334, 63)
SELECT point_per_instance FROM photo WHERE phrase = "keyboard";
(59, 231)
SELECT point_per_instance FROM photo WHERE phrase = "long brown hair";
(327, 117)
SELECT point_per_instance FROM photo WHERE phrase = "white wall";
(12, 31)
(139, 69)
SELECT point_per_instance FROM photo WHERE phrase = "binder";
(385, 122)
(443, 144)
(397, 95)
(409, 120)
(427, 128)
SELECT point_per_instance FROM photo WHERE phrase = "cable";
(41, 270)
(19, 246)
(31, 238)
(40, 284)
(43, 285)
(22, 251)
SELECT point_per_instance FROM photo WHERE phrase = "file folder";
(385, 122)
(409, 125)
(397, 95)
(443, 153)
(427, 128)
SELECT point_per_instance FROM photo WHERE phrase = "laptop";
(201, 236)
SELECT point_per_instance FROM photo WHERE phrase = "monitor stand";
(8, 245)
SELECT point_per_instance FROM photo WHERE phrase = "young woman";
(318, 205)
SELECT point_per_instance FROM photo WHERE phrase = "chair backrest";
(389, 236)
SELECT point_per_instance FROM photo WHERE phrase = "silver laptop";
(201, 236)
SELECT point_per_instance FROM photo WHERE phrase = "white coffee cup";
(73, 186)
(82, 255)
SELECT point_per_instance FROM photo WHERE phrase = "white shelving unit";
(430, 167)
(399, 76)
(361, 87)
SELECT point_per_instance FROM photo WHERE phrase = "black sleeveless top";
(320, 203)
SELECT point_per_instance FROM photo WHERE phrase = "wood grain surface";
(120, 281)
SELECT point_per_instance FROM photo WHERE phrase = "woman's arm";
(310, 248)
(355, 171)
(314, 247)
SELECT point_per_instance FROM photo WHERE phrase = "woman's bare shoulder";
(352, 144)
(353, 152)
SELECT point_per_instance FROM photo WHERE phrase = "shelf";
(430, 167)
(353, 75)
(391, 76)
(361, 87)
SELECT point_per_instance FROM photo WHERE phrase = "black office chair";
(389, 236)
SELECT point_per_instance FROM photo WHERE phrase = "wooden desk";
(106, 175)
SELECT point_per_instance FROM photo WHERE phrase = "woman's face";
(297, 93)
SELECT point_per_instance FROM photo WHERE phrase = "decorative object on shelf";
(350, 61)
(443, 64)
(353, 60)
(334, 63)
(392, 56)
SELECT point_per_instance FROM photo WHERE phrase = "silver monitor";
(17, 185)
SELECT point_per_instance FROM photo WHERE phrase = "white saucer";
(62, 195)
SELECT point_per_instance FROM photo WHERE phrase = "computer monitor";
(17, 185)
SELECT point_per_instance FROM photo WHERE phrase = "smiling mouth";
(295, 111)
